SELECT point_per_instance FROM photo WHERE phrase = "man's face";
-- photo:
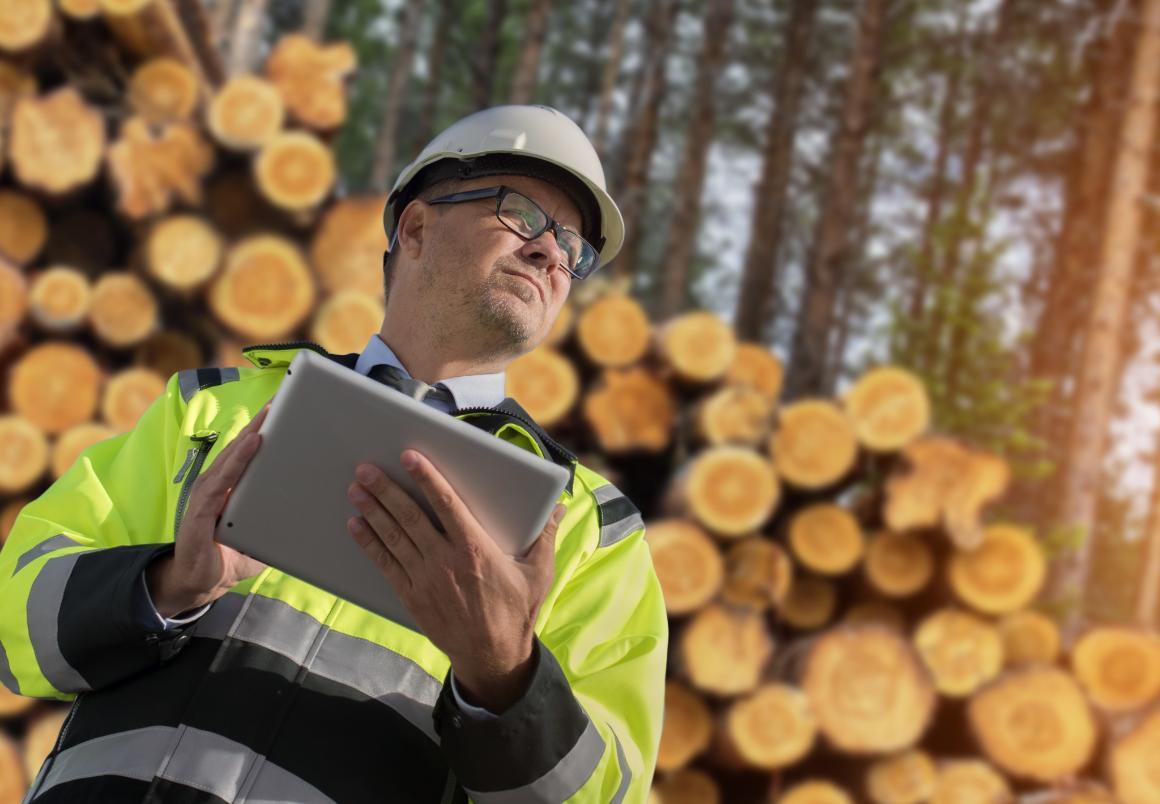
(481, 280)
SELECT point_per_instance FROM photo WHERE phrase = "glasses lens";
(522, 216)
(581, 256)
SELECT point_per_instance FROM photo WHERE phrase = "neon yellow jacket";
(282, 692)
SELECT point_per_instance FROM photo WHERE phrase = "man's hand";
(201, 570)
(473, 601)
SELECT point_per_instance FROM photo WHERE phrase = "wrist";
(169, 596)
(496, 689)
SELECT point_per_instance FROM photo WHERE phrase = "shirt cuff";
(148, 615)
(477, 712)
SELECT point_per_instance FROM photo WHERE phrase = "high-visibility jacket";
(283, 692)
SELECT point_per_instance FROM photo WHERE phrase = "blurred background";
(877, 361)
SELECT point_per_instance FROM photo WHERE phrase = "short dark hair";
(442, 187)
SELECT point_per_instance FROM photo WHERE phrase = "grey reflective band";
(618, 516)
(6, 677)
(44, 599)
(190, 381)
(558, 784)
(375, 671)
(187, 756)
(47, 546)
(625, 772)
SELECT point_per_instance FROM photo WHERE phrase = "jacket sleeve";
(588, 727)
(70, 570)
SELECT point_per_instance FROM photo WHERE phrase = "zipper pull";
(204, 436)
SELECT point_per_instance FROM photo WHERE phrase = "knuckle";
(444, 500)
(410, 516)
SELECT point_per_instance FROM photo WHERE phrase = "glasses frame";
(499, 193)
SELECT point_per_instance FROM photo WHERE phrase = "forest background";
(938, 184)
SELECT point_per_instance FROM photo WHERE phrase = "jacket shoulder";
(617, 515)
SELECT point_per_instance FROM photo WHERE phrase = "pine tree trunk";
(1058, 343)
(524, 83)
(938, 186)
(756, 301)
(691, 177)
(1148, 600)
(386, 145)
(315, 14)
(246, 37)
(1095, 392)
(221, 21)
(643, 136)
(611, 73)
(436, 56)
(487, 58)
(816, 315)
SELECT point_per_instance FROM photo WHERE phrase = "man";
(200, 675)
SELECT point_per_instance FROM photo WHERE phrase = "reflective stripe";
(618, 516)
(47, 546)
(187, 756)
(375, 671)
(625, 772)
(558, 784)
(6, 677)
(190, 381)
(188, 460)
(44, 599)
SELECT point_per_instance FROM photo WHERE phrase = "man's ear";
(409, 233)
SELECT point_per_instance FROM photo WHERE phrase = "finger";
(400, 505)
(456, 518)
(378, 553)
(385, 527)
(213, 488)
(543, 551)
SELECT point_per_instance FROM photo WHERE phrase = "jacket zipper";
(532, 426)
(205, 444)
(42, 774)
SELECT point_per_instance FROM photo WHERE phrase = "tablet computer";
(290, 508)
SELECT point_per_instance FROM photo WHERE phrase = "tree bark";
(386, 145)
(315, 14)
(691, 177)
(1059, 331)
(524, 83)
(246, 37)
(436, 56)
(642, 137)
(223, 16)
(487, 58)
(1148, 601)
(756, 302)
(1095, 392)
(816, 315)
(611, 73)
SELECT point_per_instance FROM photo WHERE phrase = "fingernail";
(559, 514)
(409, 460)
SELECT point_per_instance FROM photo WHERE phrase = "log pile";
(849, 621)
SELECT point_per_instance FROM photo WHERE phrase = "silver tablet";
(290, 508)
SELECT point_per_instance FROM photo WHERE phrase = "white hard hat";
(520, 140)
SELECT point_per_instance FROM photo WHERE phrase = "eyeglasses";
(525, 217)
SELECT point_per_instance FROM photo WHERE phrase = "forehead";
(550, 198)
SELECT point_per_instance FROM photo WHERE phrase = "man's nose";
(545, 251)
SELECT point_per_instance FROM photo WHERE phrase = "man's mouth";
(536, 284)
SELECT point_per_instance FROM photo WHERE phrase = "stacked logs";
(845, 623)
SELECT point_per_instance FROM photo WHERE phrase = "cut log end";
(545, 383)
(815, 791)
(970, 781)
(310, 79)
(151, 169)
(772, 728)
(731, 491)
(124, 311)
(961, 651)
(687, 563)
(1003, 574)
(686, 786)
(24, 454)
(688, 727)
(1029, 638)
(1034, 723)
(164, 90)
(758, 574)
(905, 778)
(246, 114)
(810, 604)
(74, 441)
(1118, 667)
(755, 367)
(24, 23)
(613, 331)
(13, 301)
(898, 564)
(183, 251)
(869, 689)
(265, 289)
(888, 407)
(630, 410)
(55, 386)
(733, 415)
(814, 444)
(128, 394)
(57, 141)
(23, 227)
(699, 347)
(60, 298)
(826, 539)
(725, 652)
(169, 352)
(343, 323)
(1135, 772)
(347, 249)
(295, 171)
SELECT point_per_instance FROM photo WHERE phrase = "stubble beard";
(496, 315)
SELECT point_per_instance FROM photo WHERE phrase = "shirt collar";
(469, 391)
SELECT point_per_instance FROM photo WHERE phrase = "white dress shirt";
(473, 390)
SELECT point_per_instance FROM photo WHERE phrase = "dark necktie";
(416, 389)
